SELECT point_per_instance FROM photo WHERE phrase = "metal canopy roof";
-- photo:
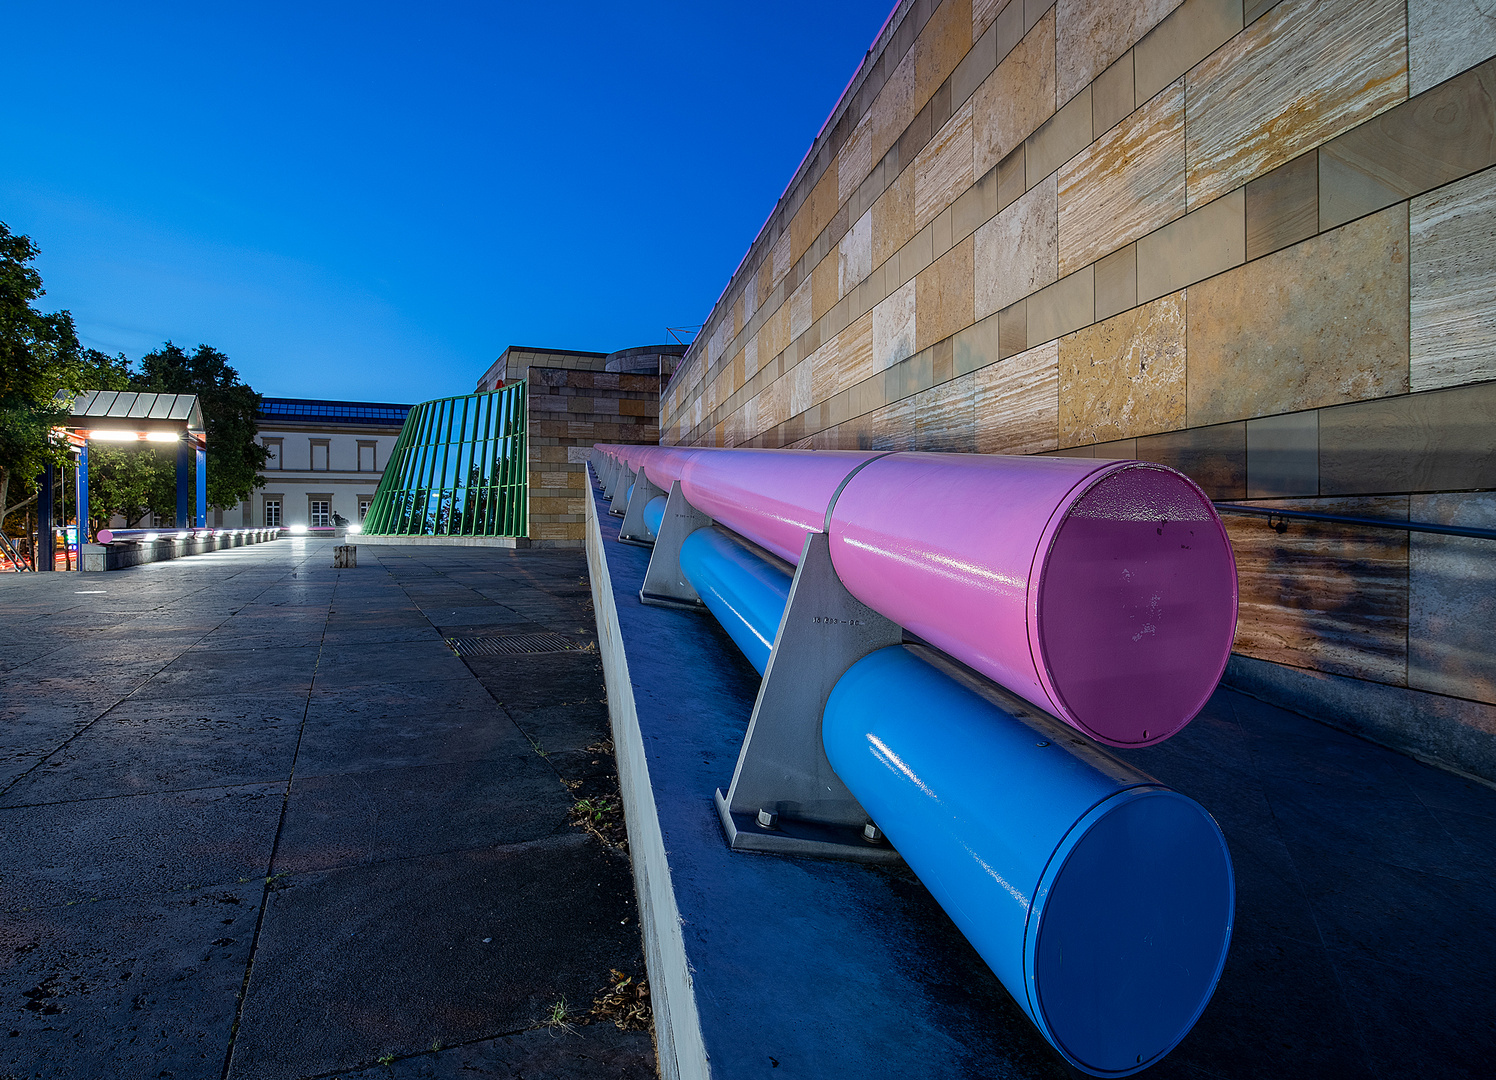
(143, 412)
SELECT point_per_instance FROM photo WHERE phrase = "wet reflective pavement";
(257, 819)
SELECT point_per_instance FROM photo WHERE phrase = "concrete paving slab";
(343, 975)
(135, 989)
(387, 739)
(593, 1052)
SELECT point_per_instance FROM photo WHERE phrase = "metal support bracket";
(665, 583)
(621, 491)
(784, 796)
(633, 530)
(610, 478)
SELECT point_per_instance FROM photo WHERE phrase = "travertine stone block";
(1445, 37)
(798, 387)
(1214, 457)
(1317, 324)
(1058, 139)
(894, 327)
(1119, 450)
(855, 159)
(975, 66)
(1010, 178)
(1124, 377)
(779, 258)
(1116, 282)
(1282, 207)
(1124, 185)
(1016, 98)
(1016, 252)
(1012, 330)
(1453, 284)
(942, 170)
(894, 107)
(917, 254)
(823, 286)
(1327, 597)
(893, 218)
(1439, 440)
(984, 14)
(1300, 75)
(1252, 10)
(1283, 455)
(1208, 241)
(855, 353)
(1034, 10)
(1067, 305)
(945, 39)
(975, 347)
(944, 295)
(855, 255)
(1452, 599)
(1094, 33)
(800, 309)
(1112, 96)
(1442, 135)
(945, 416)
(1191, 32)
(909, 376)
(1017, 403)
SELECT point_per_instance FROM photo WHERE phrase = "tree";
(230, 411)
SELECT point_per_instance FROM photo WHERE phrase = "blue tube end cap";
(1118, 982)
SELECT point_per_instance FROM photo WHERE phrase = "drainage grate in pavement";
(514, 644)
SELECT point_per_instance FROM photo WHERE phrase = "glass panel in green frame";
(459, 468)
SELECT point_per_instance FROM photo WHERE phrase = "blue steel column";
(82, 495)
(184, 463)
(46, 543)
(202, 485)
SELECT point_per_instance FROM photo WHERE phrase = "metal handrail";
(11, 553)
(1347, 519)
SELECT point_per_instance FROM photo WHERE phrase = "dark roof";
(304, 410)
(165, 411)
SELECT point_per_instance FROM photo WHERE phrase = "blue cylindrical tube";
(740, 586)
(1102, 900)
(654, 514)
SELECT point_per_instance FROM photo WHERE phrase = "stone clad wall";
(570, 410)
(1252, 240)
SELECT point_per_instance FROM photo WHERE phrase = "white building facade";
(326, 458)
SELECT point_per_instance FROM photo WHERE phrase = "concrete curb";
(124, 554)
(390, 540)
(678, 1037)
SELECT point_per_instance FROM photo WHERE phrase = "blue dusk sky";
(370, 201)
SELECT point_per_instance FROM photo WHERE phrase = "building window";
(321, 513)
(272, 513)
(364, 502)
(366, 457)
(319, 455)
(274, 460)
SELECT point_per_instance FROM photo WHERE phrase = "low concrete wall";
(121, 554)
(389, 540)
(1451, 733)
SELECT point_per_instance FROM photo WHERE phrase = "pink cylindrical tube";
(1103, 591)
(773, 497)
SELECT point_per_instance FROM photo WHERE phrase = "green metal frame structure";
(459, 468)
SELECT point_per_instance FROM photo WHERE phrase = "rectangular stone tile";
(1120, 450)
(1333, 307)
(1199, 245)
(1092, 34)
(1017, 403)
(1016, 253)
(942, 170)
(1439, 440)
(984, 14)
(1058, 139)
(945, 418)
(1067, 305)
(976, 346)
(943, 295)
(1297, 77)
(1325, 596)
(1012, 329)
(1283, 455)
(1124, 377)
(1214, 457)
(945, 39)
(1126, 184)
(799, 305)
(823, 286)
(1282, 207)
(1116, 282)
(1453, 274)
(1191, 32)
(1445, 37)
(894, 106)
(1112, 96)
(1437, 137)
(855, 159)
(894, 327)
(975, 206)
(893, 218)
(1452, 599)
(975, 66)
(1016, 98)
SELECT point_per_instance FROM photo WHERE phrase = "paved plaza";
(258, 820)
